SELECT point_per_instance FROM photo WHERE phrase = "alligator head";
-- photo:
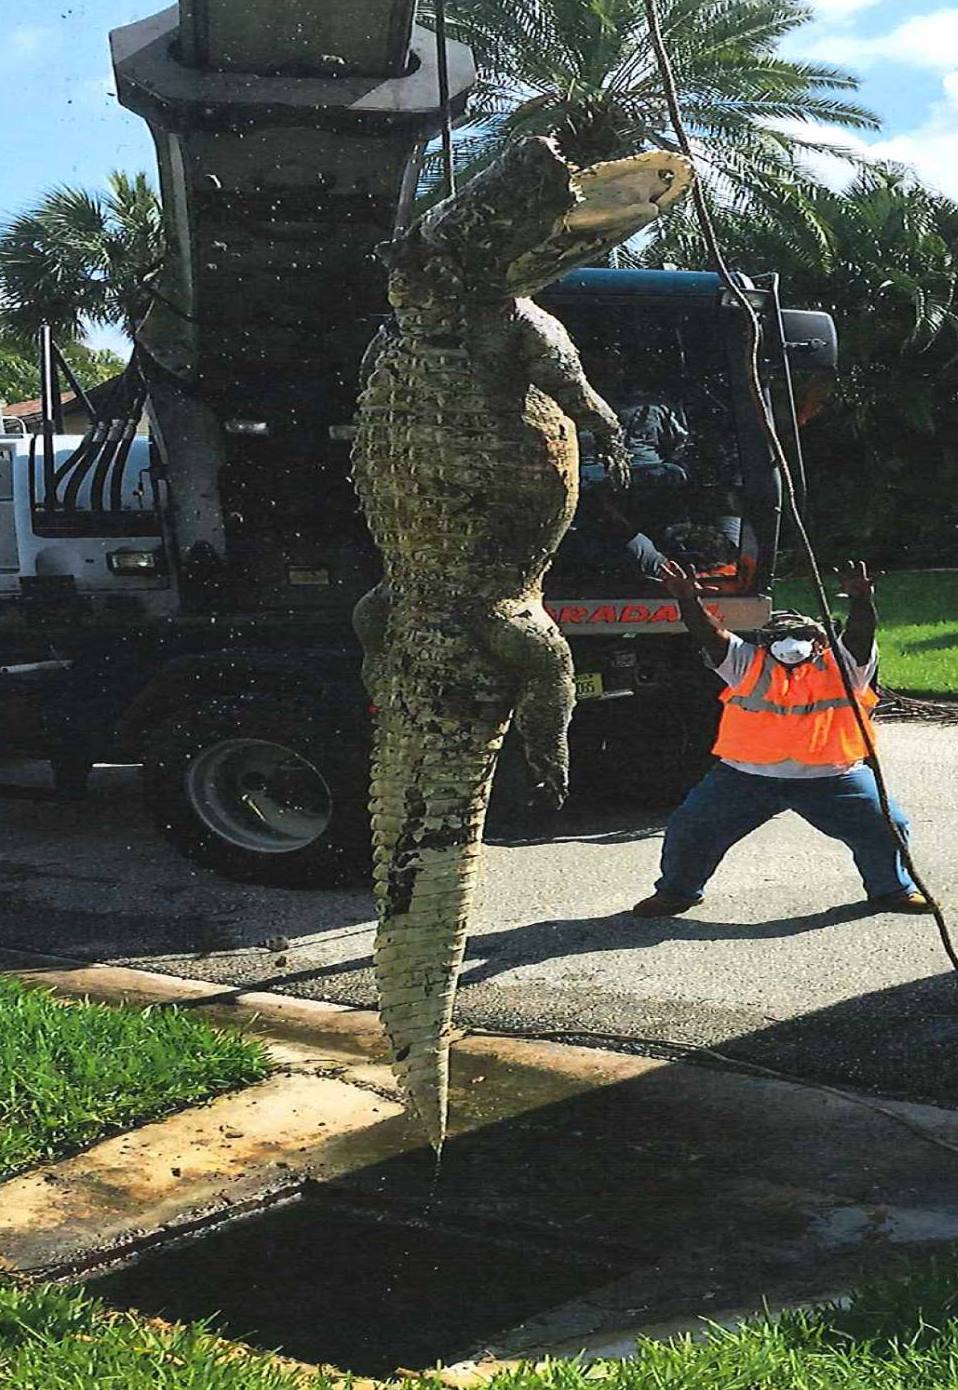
(531, 216)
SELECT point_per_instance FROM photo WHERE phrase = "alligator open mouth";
(605, 204)
(624, 194)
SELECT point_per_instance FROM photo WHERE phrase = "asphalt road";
(782, 964)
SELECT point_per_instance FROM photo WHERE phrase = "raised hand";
(855, 579)
(676, 581)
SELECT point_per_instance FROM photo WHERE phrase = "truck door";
(9, 561)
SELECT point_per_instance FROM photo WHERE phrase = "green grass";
(71, 1073)
(918, 628)
(55, 1339)
(897, 1333)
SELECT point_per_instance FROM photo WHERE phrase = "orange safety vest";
(776, 713)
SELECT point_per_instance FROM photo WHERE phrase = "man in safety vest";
(788, 741)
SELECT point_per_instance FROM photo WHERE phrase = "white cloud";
(830, 10)
(927, 40)
(833, 171)
(930, 148)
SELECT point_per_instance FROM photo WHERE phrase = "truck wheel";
(672, 750)
(261, 795)
(648, 753)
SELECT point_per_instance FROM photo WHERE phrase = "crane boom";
(288, 135)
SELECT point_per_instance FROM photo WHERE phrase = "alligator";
(465, 462)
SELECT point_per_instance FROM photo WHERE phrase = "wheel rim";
(259, 796)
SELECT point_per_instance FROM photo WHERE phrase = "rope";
(766, 419)
(442, 63)
(693, 1051)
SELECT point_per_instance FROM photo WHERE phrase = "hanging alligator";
(466, 464)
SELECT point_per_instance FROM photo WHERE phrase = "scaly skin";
(466, 464)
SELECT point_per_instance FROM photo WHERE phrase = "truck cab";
(669, 351)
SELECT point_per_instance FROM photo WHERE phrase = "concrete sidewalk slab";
(677, 1189)
(232, 1154)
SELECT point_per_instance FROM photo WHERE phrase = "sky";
(60, 122)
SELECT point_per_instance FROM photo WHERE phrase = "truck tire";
(642, 752)
(262, 794)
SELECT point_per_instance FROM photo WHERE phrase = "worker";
(788, 740)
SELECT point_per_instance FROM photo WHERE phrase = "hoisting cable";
(763, 410)
(442, 67)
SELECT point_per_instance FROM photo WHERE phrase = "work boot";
(662, 905)
(905, 901)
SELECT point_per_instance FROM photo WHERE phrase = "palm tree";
(20, 368)
(882, 258)
(585, 71)
(79, 258)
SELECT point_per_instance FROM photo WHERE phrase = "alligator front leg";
(554, 367)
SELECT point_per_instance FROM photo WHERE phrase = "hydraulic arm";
(287, 135)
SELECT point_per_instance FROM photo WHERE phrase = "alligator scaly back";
(466, 464)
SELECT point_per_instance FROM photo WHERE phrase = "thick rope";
(763, 410)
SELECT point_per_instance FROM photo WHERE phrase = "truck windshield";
(668, 380)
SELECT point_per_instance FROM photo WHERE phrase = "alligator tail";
(430, 786)
(444, 688)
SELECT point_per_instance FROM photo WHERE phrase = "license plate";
(588, 686)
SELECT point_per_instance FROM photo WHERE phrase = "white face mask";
(790, 651)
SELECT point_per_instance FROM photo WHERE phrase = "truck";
(181, 599)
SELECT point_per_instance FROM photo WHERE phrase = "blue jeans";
(726, 805)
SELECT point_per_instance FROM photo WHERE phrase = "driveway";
(782, 965)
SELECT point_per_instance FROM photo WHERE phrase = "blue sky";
(60, 123)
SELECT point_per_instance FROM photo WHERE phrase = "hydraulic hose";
(84, 455)
(107, 460)
(766, 419)
(119, 464)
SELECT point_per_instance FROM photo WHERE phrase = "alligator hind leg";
(535, 653)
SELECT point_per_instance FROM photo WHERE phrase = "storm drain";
(364, 1289)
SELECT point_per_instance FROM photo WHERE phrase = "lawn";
(55, 1339)
(918, 627)
(73, 1072)
(896, 1333)
(900, 1333)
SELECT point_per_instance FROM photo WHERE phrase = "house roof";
(30, 412)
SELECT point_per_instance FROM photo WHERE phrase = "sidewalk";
(582, 1196)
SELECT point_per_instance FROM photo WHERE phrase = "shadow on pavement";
(679, 1190)
(552, 940)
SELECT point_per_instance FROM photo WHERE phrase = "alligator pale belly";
(467, 517)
